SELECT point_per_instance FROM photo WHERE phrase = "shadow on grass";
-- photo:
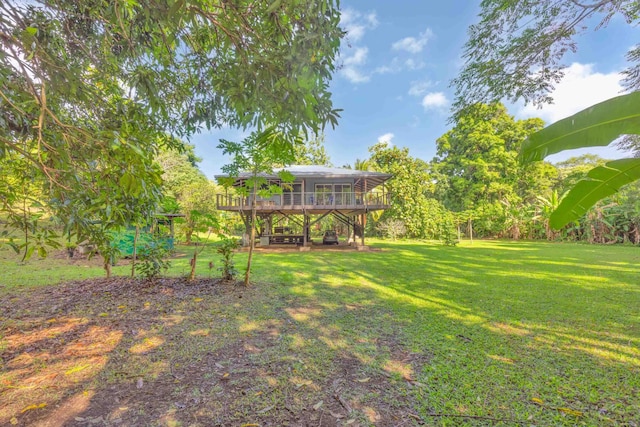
(407, 334)
(121, 352)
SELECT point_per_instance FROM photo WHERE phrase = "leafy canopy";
(516, 50)
(596, 126)
(91, 90)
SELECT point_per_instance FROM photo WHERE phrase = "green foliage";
(596, 125)
(516, 51)
(392, 228)
(476, 161)
(410, 189)
(90, 92)
(477, 170)
(227, 250)
(311, 152)
(152, 260)
(447, 232)
(256, 156)
(178, 171)
(601, 182)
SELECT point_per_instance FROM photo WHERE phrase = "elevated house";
(317, 191)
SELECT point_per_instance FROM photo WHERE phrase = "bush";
(152, 262)
(226, 249)
(392, 228)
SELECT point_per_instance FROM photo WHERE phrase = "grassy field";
(494, 333)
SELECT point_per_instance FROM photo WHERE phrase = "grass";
(496, 332)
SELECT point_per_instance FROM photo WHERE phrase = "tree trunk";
(135, 251)
(107, 265)
(192, 274)
(252, 239)
(471, 230)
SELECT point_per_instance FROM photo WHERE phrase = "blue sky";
(397, 61)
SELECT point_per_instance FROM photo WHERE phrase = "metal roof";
(316, 171)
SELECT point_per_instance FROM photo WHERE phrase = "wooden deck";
(309, 203)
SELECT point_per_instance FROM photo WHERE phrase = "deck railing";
(309, 200)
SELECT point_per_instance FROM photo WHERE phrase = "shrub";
(152, 261)
(226, 249)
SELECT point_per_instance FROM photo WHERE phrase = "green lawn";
(490, 333)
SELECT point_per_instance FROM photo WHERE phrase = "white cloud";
(412, 64)
(393, 67)
(396, 66)
(417, 88)
(354, 75)
(386, 138)
(434, 101)
(356, 23)
(413, 44)
(580, 88)
(359, 57)
(372, 19)
(351, 64)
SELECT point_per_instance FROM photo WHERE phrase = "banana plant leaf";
(601, 182)
(597, 125)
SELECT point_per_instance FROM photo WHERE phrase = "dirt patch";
(121, 352)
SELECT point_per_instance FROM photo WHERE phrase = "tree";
(477, 169)
(595, 126)
(574, 169)
(516, 52)
(311, 152)
(411, 190)
(190, 188)
(257, 154)
(89, 90)
(179, 170)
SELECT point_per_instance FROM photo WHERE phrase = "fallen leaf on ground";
(537, 401)
(318, 405)
(363, 380)
(34, 406)
(13, 421)
(571, 412)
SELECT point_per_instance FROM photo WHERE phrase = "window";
(324, 194)
(292, 195)
(343, 194)
(333, 194)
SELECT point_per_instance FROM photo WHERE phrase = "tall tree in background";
(477, 168)
(516, 52)
(411, 190)
(190, 188)
(89, 90)
(312, 152)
